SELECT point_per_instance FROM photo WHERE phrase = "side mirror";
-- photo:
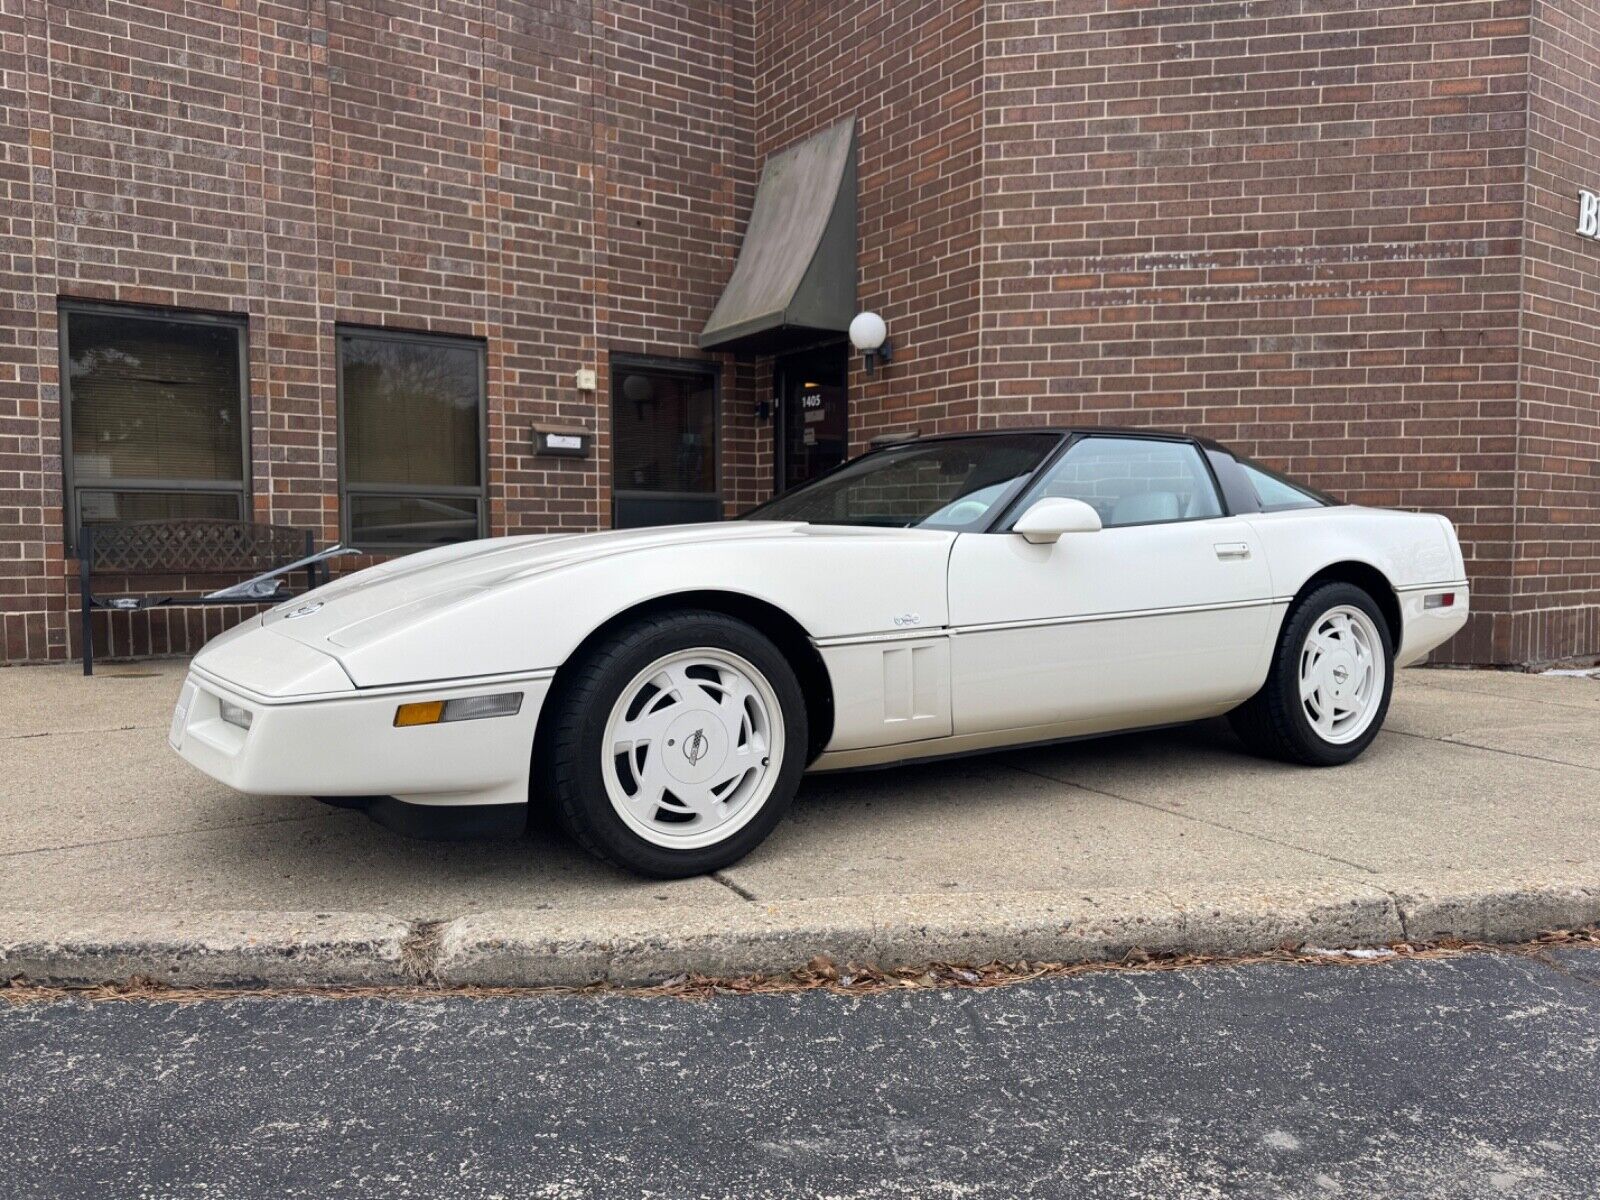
(1046, 520)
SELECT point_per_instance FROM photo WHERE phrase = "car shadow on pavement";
(1184, 746)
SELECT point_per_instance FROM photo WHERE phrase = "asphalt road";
(1467, 1078)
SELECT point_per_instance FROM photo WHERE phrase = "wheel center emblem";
(1340, 674)
(696, 747)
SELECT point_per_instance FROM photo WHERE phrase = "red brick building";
(1342, 236)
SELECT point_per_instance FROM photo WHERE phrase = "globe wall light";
(641, 391)
(870, 335)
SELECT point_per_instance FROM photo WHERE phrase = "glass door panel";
(813, 414)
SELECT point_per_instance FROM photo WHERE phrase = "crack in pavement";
(1544, 959)
(146, 837)
(1501, 696)
(23, 737)
(1456, 741)
(736, 889)
(420, 949)
(1287, 845)
(1222, 825)
(1399, 914)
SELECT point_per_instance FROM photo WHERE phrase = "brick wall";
(912, 74)
(1293, 227)
(678, 176)
(1296, 227)
(560, 180)
(540, 258)
(143, 188)
(1557, 569)
(29, 489)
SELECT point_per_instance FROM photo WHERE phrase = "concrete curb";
(645, 945)
(1495, 907)
(205, 949)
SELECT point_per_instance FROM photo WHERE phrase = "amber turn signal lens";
(426, 713)
(462, 708)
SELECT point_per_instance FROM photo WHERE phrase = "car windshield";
(945, 483)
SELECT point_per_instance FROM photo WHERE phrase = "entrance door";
(813, 421)
(664, 443)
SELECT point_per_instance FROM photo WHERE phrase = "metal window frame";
(684, 368)
(399, 490)
(71, 485)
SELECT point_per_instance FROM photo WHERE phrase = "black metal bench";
(271, 553)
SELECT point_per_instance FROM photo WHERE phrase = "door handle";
(1226, 550)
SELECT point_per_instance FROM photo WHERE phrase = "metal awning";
(796, 274)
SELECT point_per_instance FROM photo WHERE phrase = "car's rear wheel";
(1329, 684)
(677, 745)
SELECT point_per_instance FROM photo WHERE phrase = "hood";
(507, 606)
(359, 608)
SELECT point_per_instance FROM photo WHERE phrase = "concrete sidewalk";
(1476, 814)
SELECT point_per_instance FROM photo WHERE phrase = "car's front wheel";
(1329, 684)
(678, 744)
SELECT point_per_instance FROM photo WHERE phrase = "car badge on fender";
(305, 610)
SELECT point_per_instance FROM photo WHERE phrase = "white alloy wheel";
(1342, 673)
(693, 748)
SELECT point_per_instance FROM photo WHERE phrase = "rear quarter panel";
(1415, 552)
(1411, 549)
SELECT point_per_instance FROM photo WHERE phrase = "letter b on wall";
(1588, 214)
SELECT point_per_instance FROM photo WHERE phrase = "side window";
(1275, 492)
(1133, 481)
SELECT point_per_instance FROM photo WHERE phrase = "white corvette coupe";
(663, 690)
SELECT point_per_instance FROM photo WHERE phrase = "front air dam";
(438, 822)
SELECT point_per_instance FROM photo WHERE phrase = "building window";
(155, 408)
(411, 437)
(664, 442)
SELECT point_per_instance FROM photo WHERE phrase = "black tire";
(571, 775)
(1274, 722)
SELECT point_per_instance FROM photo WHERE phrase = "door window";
(813, 414)
(1132, 481)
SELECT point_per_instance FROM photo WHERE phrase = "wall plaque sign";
(548, 441)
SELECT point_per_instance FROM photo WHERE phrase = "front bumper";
(348, 745)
